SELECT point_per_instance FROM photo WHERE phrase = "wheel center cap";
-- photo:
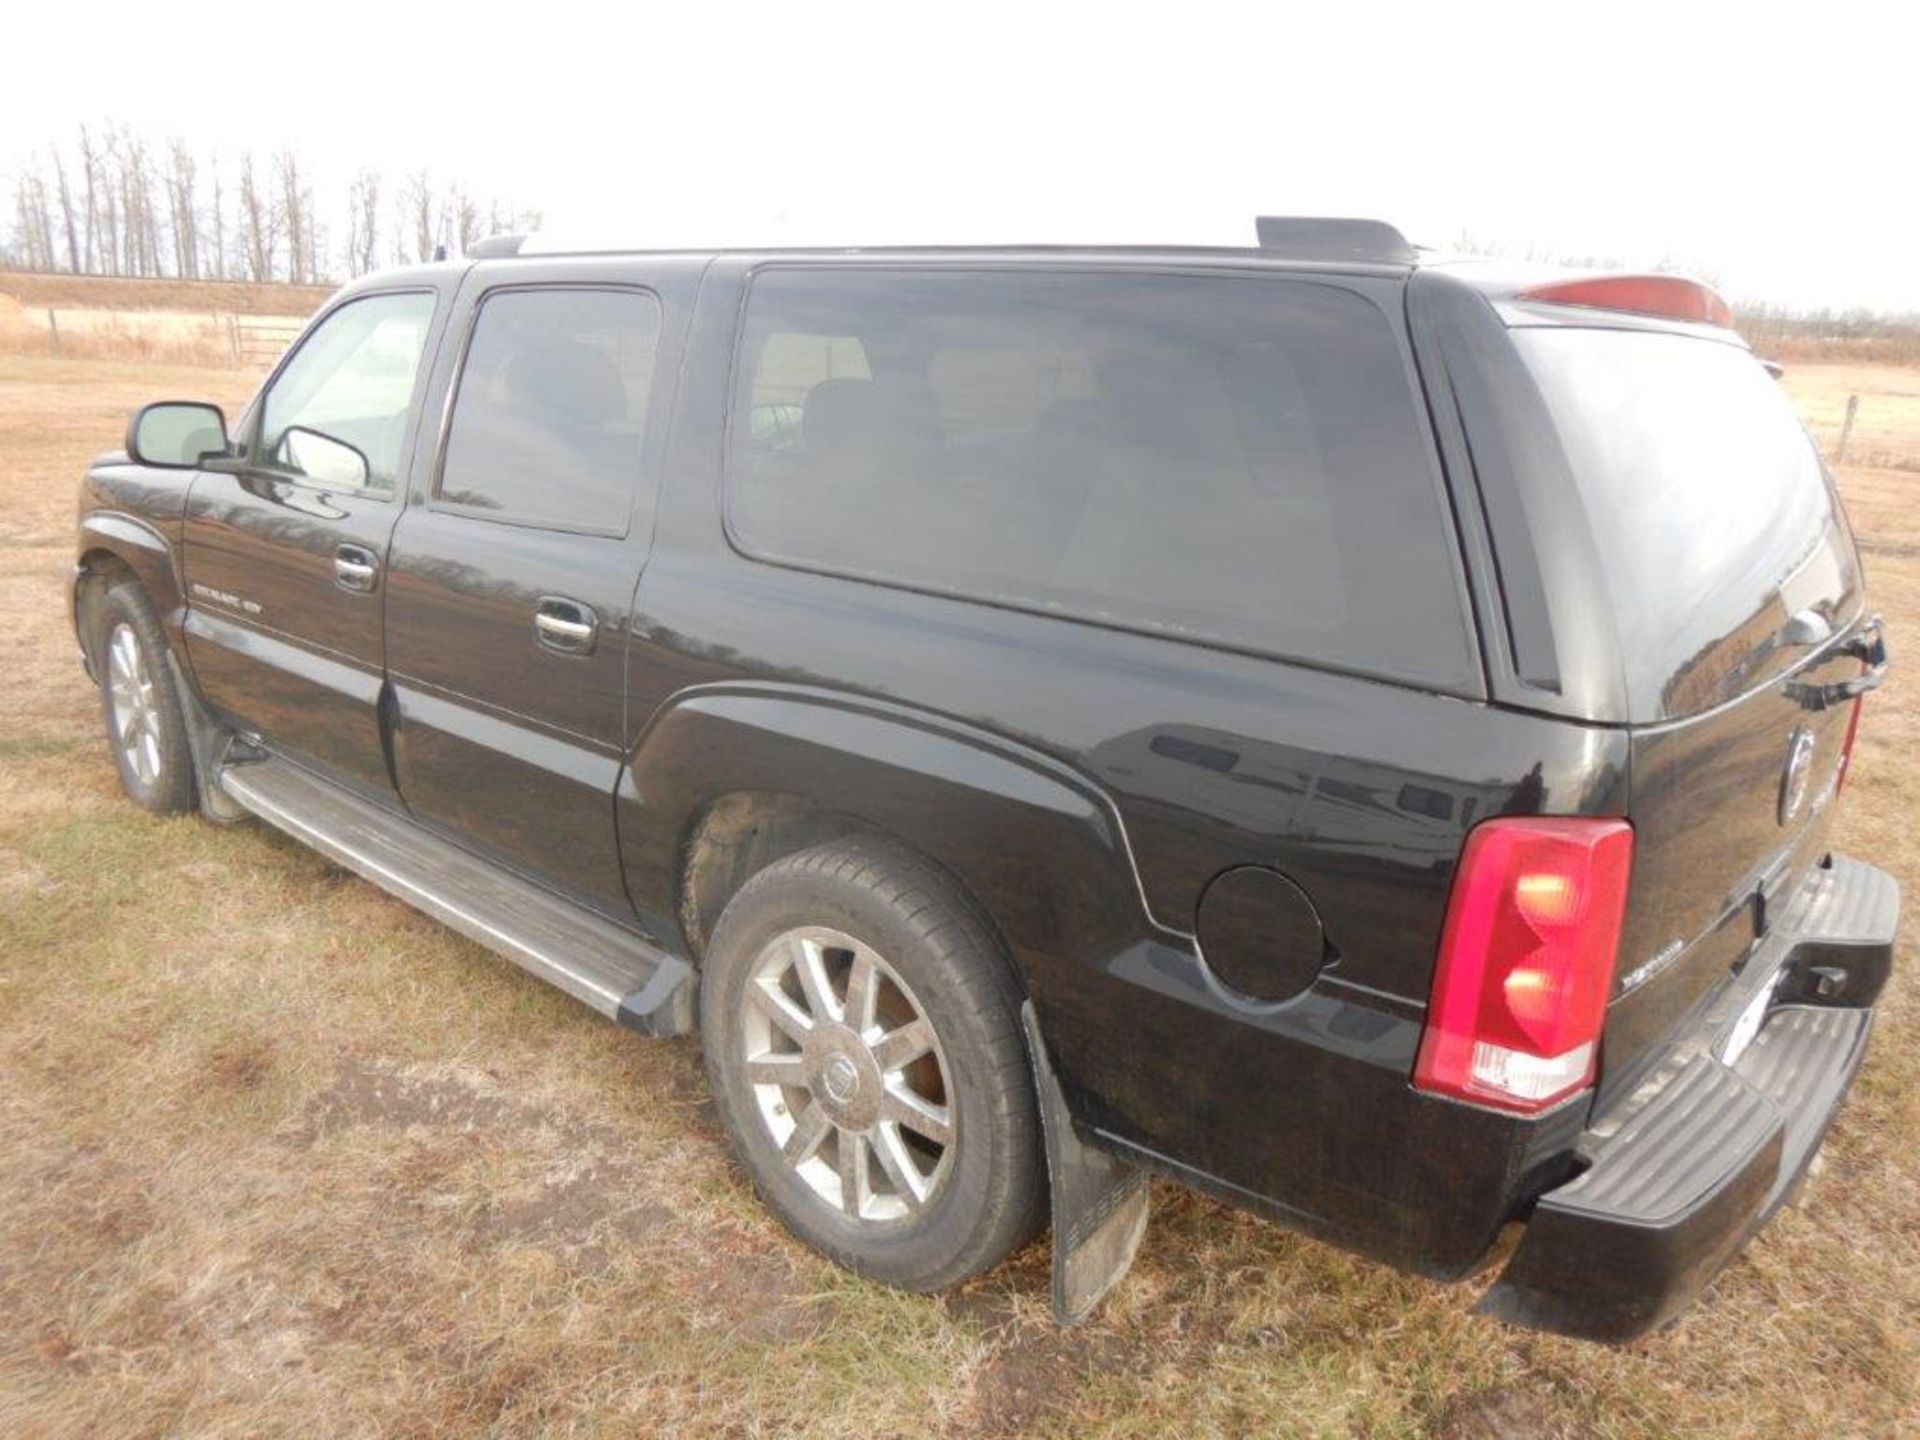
(842, 1074)
(841, 1079)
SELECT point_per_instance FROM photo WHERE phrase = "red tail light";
(1846, 747)
(1526, 961)
(1673, 297)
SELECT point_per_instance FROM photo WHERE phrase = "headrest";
(567, 378)
(841, 414)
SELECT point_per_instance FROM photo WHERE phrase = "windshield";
(1713, 517)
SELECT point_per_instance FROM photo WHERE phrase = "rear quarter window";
(1235, 460)
(1713, 519)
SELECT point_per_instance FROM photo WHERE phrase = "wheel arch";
(116, 546)
(727, 779)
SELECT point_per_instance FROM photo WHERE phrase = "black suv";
(1353, 734)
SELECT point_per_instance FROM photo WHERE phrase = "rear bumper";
(1681, 1173)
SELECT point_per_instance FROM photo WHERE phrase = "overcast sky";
(1774, 154)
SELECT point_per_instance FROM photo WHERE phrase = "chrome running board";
(614, 969)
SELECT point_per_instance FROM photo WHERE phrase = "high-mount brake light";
(1672, 297)
(1526, 961)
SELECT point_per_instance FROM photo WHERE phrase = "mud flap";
(212, 746)
(1099, 1200)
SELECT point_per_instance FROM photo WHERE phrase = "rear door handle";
(565, 625)
(356, 568)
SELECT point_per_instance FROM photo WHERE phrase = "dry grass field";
(279, 1156)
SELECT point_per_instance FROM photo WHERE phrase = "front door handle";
(356, 568)
(565, 625)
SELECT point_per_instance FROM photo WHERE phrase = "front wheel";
(862, 1035)
(144, 723)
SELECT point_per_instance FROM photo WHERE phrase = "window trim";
(433, 500)
(1471, 683)
(255, 436)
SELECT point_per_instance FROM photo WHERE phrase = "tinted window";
(346, 394)
(552, 405)
(1232, 459)
(1713, 517)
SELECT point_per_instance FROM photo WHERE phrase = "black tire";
(163, 744)
(992, 1198)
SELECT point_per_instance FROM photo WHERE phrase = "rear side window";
(1237, 460)
(1714, 521)
(551, 410)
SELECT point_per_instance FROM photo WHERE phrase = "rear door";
(512, 572)
(1734, 587)
(285, 545)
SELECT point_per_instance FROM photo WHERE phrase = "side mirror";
(176, 434)
(323, 459)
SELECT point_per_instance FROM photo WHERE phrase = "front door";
(513, 569)
(285, 546)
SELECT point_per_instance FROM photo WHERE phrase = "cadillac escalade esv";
(1353, 733)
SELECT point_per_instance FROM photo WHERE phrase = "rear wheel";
(862, 1035)
(144, 723)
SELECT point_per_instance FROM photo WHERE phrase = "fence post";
(233, 336)
(1846, 430)
(53, 325)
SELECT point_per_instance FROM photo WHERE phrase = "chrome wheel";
(848, 1075)
(136, 709)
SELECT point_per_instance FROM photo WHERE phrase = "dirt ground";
(280, 1156)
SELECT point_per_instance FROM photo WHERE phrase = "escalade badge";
(1799, 771)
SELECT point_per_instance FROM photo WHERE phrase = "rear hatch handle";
(1868, 644)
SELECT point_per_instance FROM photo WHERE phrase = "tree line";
(113, 202)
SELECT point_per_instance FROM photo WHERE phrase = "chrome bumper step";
(615, 970)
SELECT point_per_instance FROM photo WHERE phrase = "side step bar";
(607, 966)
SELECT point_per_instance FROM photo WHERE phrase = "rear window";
(1237, 460)
(1713, 517)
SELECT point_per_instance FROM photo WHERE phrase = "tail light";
(1846, 747)
(1672, 297)
(1526, 961)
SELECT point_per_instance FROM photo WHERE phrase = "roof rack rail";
(1314, 237)
(496, 247)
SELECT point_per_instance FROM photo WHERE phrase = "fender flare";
(1040, 848)
(143, 550)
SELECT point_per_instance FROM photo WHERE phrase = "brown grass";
(105, 292)
(280, 1156)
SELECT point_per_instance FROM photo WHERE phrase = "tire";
(968, 1202)
(145, 726)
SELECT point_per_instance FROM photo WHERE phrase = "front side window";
(1234, 459)
(337, 413)
(552, 406)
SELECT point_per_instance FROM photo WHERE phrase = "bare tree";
(140, 226)
(89, 170)
(259, 224)
(295, 211)
(219, 224)
(363, 226)
(464, 219)
(66, 210)
(183, 210)
(32, 222)
(418, 208)
(119, 203)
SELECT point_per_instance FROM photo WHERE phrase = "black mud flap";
(1099, 1200)
(212, 747)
